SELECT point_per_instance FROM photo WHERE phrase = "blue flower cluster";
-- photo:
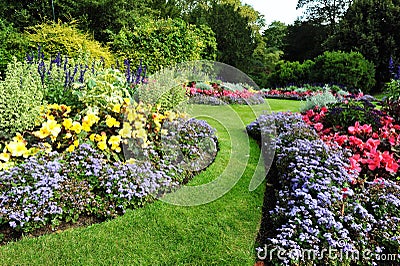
(50, 188)
(212, 100)
(319, 209)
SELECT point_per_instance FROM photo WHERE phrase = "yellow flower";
(16, 148)
(164, 132)
(126, 130)
(5, 156)
(131, 115)
(76, 126)
(127, 101)
(48, 127)
(67, 123)
(71, 148)
(76, 143)
(92, 136)
(68, 136)
(112, 122)
(114, 140)
(19, 138)
(102, 145)
(86, 126)
(91, 118)
(97, 137)
(141, 133)
(32, 151)
(54, 106)
(42, 133)
(47, 147)
(53, 127)
(117, 108)
(66, 109)
(130, 161)
(138, 124)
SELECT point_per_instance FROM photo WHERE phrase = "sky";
(281, 10)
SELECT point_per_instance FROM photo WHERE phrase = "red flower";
(340, 139)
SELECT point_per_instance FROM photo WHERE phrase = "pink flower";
(372, 144)
(366, 128)
(318, 126)
(354, 165)
(354, 130)
(354, 141)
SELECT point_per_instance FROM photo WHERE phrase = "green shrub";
(13, 44)
(351, 70)
(164, 42)
(69, 41)
(290, 73)
(319, 100)
(20, 99)
(104, 89)
(346, 114)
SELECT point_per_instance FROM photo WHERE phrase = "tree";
(275, 34)
(324, 11)
(234, 33)
(372, 28)
(304, 40)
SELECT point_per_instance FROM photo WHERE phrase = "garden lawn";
(222, 232)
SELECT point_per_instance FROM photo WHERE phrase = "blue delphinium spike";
(128, 70)
(139, 71)
(144, 73)
(391, 66)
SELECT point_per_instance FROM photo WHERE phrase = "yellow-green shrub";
(68, 40)
(20, 99)
(164, 43)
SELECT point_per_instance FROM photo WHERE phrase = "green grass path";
(221, 232)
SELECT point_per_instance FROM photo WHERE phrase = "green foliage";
(291, 72)
(275, 34)
(349, 69)
(319, 100)
(371, 28)
(164, 42)
(391, 104)
(20, 99)
(304, 40)
(68, 40)
(324, 11)
(104, 89)
(13, 44)
(165, 88)
(347, 114)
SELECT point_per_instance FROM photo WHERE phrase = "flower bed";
(302, 93)
(97, 158)
(224, 93)
(327, 210)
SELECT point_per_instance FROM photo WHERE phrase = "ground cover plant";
(336, 180)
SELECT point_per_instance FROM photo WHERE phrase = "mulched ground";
(8, 235)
